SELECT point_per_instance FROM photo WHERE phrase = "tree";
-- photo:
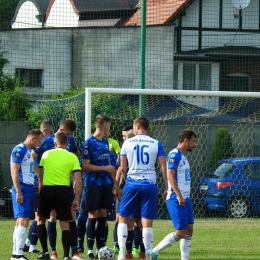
(7, 11)
(222, 147)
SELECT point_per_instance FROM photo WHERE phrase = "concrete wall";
(12, 133)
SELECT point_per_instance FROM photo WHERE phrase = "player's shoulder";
(174, 153)
(48, 139)
(19, 150)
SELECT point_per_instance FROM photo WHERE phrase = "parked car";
(6, 207)
(232, 187)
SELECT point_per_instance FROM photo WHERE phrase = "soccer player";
(23, 188)
(139, 196)
(178, 197)
(113, 145)
(46, 128)
(99, 180)
(68, 126)
(55, 170)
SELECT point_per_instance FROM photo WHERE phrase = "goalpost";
(170, 111)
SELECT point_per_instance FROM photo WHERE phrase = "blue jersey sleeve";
(18, 154)
(160, 150)
(173, 160)
(72, 146)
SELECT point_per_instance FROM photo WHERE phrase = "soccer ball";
(106, 253)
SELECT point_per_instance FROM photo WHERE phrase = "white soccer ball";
(106, 253)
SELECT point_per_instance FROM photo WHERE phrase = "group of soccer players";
(101, 178)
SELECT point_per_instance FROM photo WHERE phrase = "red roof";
(157, 12)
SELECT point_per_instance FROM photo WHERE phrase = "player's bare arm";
(34, 156)
(15, 177)
(77, 189)
(40, 179)
(162, 162)
(172, 181)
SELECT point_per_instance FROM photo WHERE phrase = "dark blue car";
(233, 187)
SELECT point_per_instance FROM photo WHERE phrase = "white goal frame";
(159, 92)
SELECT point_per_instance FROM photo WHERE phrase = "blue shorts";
(181, 216)
(139, 201)
(23, 210)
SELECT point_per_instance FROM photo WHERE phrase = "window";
(205, 77)
(189, 76)
(30, 77)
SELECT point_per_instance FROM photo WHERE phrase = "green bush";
(222, 147)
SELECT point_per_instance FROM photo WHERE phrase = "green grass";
(212, 239)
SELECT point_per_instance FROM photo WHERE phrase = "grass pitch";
(213, 239)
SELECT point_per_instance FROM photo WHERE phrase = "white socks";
(14, 239)
(185, 246)
(122, 236)
(148, 240)
(19, 239)
(166, 242)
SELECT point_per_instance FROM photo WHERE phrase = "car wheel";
(238, 207)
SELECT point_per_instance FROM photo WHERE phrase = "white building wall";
(26, 17)
(49, 50)
(251, 15)
(228, 19)
(191, 19)
(189, 40)
(94, 23)
(62, 15)
(210, 14)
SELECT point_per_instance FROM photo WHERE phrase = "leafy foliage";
(222, 147)
(7, 11)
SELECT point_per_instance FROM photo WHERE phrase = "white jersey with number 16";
(142, 152)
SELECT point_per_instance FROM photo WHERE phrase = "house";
(74, 13)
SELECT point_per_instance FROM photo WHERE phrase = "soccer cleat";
(13, 257)
(80, 250)
(128, 255)
(116, 250)
(67, 258)
(135, 252)
(34, 251)
(54, 255)
(142, 256)
(91, 256)
(45, 256)
(21, 257)
(25, 248)
(76, 256)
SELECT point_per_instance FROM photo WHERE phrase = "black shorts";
(58, 198)
(96, 198)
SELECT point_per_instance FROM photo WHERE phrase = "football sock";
(185, 246)
(136, 237)
(19, 239)
(52, 234)
(65, 237)
(81, 229)
(73, 237)
(27, 241)
(115, 235)
(33, 233)
(14, 239)
(91, 232)
(148, 239)
(129, 241)
(101, 232)
(166, 242)
(122, 236)
(42, 234)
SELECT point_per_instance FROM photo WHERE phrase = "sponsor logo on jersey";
(18, 155)
(172, 160)
(85, 152)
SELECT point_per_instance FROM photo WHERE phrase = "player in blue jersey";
(23, 188)
(139, 198)
(46, 128)
(178, 197)
(68, 126)
(98, 183)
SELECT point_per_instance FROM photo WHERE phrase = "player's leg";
(130, 238)
(52, 233)
(128, 209)
(148, 209)
(185, 242)
(93, 198)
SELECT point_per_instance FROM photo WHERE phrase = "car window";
(223, 170)
(252, 171)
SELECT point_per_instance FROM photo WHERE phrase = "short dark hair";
(35, 132)
(46, 125)
(101, 120)
(61, 138)
(69, 124)
(127, 128)
(143, 122)
(186, 133)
